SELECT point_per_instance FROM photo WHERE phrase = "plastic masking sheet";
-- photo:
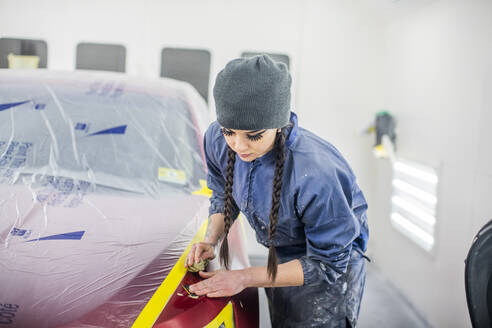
(97, 172)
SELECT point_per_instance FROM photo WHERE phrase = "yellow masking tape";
(156, 304)
(226, 317)
(205, 191)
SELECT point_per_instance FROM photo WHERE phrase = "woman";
(298, 194)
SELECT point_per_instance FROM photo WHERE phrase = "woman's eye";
(227, 132)
(256, 137)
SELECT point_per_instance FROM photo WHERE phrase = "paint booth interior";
(103, 108)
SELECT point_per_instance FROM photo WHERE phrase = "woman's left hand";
(220, 283)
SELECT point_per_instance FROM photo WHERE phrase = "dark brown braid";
(277, 188)
(224, 248)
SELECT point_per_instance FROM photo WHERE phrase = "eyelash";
(256, 137)
(227, 132)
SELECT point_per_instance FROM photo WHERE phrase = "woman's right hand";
(198, 252)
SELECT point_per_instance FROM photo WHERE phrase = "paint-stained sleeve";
(330, 227)
(215, 179)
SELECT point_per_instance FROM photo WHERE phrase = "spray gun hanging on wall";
(384, 128)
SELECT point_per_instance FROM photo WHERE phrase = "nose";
(240, 144)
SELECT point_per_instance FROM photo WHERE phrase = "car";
(102, 192)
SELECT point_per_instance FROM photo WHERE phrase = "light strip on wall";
(412, 231)
(414, 191)
(414, 202)
(409, 207)
(415, 172)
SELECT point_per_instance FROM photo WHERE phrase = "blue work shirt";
(322, 216)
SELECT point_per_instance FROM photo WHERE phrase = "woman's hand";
(220, 283)
(198, 252)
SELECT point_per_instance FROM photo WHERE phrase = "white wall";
(341, 80)
(225, 27)
(438, 84)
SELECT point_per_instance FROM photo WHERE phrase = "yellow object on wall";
(380, 152)
(16, 61)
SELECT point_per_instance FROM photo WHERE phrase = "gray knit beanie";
(252, 94)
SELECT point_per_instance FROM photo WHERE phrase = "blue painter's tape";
(18, 232)
(76, 235)
(80, 126)
(116, 130)
(7, 106)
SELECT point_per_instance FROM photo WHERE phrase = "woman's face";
(250, 144)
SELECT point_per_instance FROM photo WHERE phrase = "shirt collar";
(292, 131)
(291, 137)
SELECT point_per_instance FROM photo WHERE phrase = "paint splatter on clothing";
(321, 305)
